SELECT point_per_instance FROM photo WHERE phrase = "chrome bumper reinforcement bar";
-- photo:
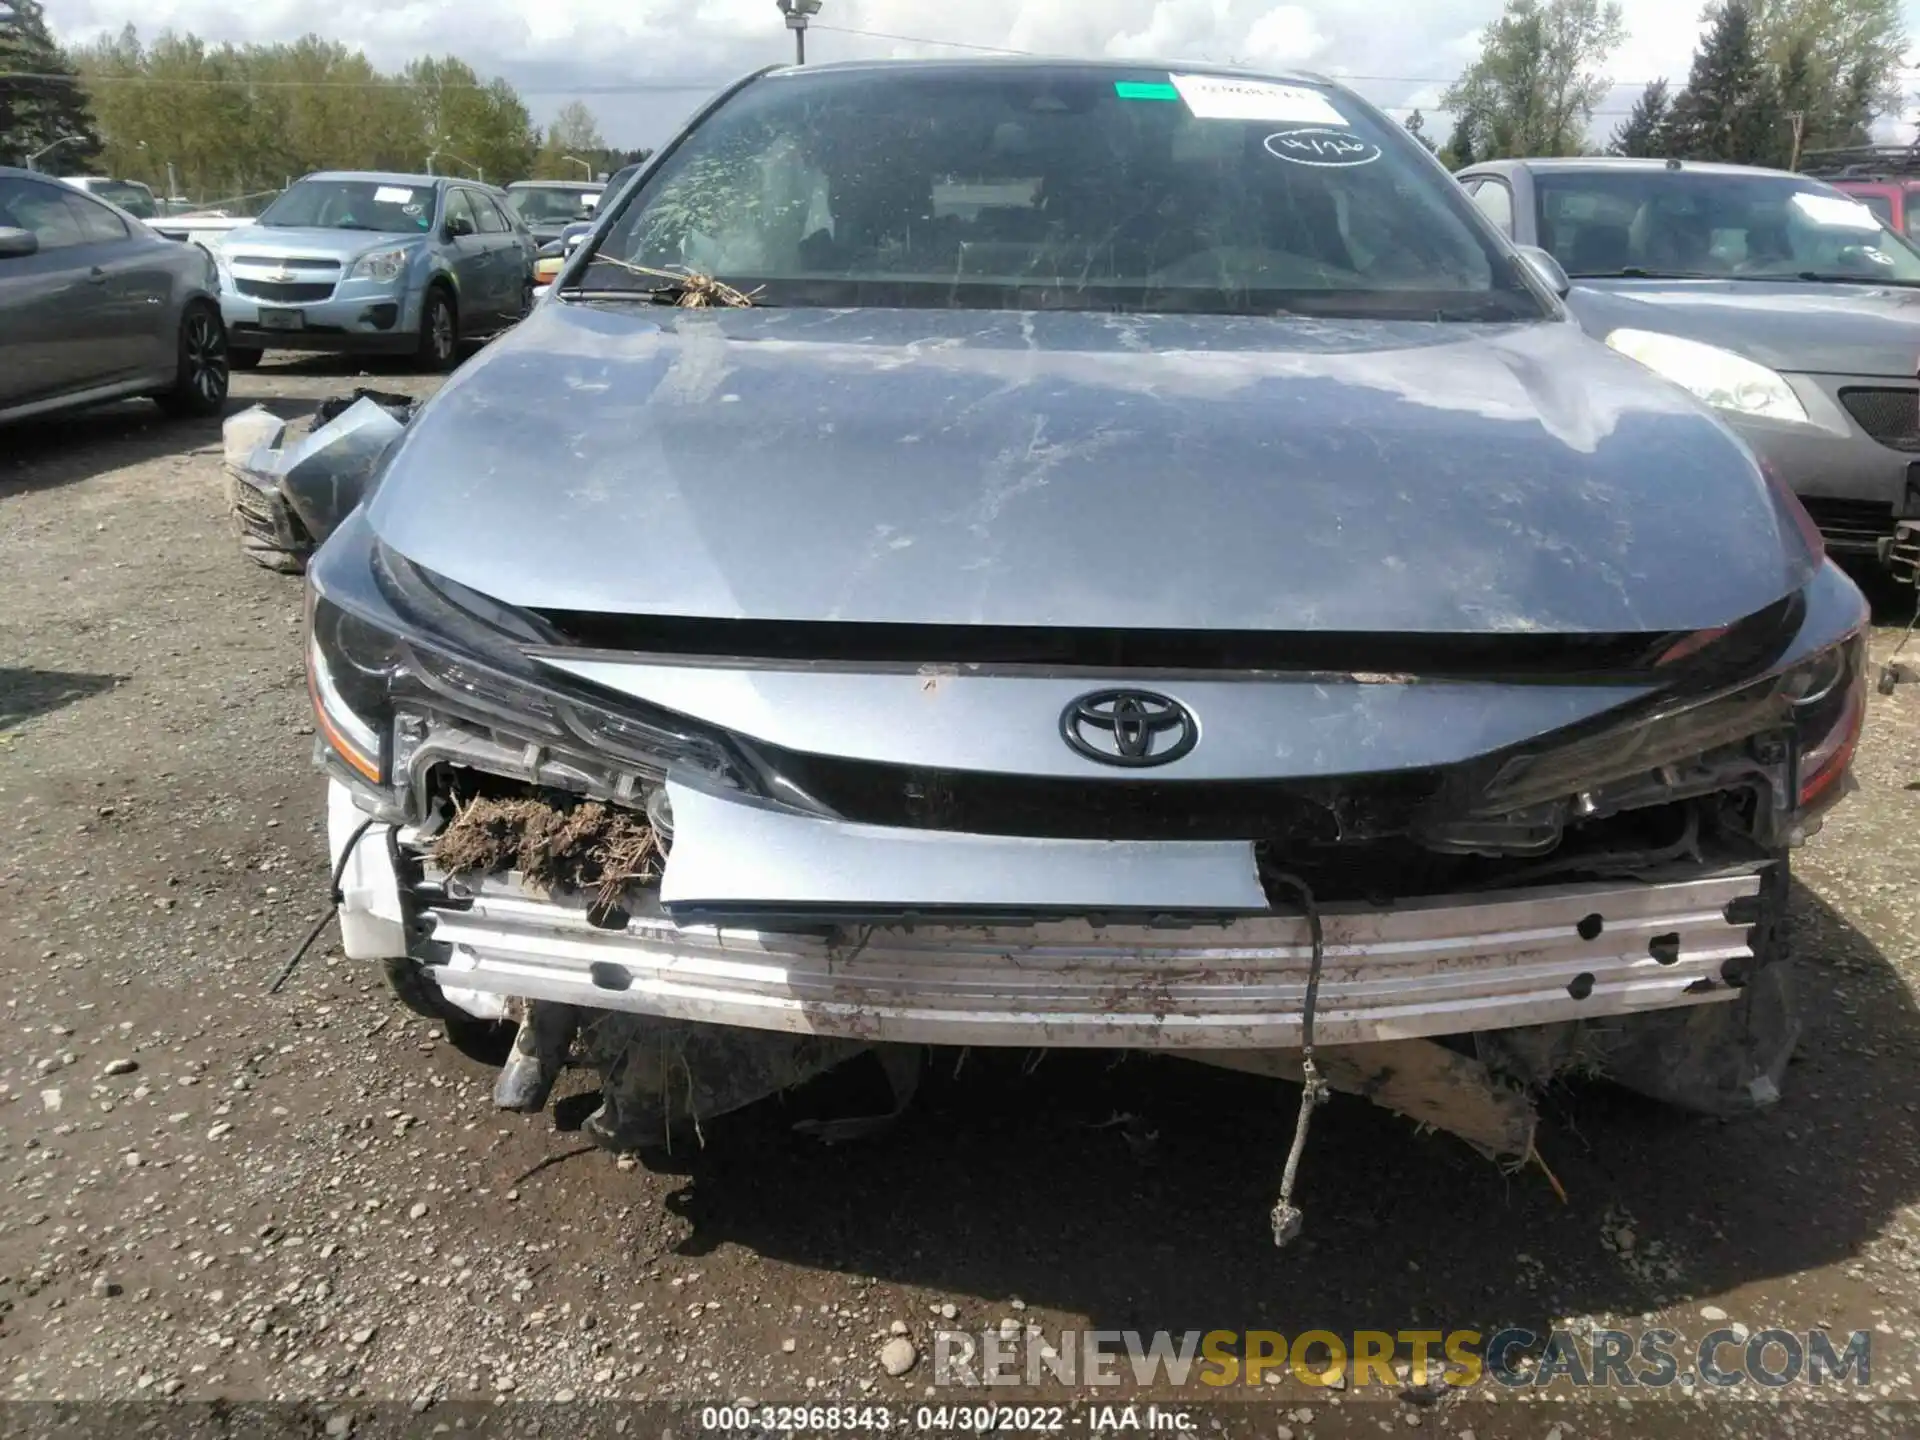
(1440, 966)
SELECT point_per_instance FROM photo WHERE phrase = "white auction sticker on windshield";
(1219, 97)
(391, 195)
(1329, 149)
(1832, 210)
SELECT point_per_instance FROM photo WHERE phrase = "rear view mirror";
(17, 244)
(1545, 269)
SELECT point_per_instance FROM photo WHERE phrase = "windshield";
(551, 206)
(132, 198)
(1063, 187)
(391, 207)
(1694, 223)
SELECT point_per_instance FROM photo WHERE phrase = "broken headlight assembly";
(410, 646)
(1820, 702)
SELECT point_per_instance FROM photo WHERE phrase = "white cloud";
(560, 46)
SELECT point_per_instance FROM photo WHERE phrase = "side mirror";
(573, 243)
(458, 228)
(17, 244)
(1545, 269)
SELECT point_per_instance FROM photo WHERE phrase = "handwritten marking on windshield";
(1327, 149)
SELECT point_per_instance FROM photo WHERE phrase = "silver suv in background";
(375, 263)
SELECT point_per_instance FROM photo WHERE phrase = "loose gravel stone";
(897, 1356)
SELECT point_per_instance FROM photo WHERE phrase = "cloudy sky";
(665, 55)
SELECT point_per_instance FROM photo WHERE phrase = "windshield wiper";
(1636, 272)
(687, 289)
(1826, 277)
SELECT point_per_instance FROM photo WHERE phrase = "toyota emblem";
(1131, 728)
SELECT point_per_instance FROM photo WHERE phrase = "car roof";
(998, 63)
(1574, 164)
(557, 185)
(385, 176)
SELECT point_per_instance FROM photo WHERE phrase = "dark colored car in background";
(1784, 304)
(546, 207)
(95, 307)
(1074, 554)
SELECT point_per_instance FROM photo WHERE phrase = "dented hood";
(1071, 469)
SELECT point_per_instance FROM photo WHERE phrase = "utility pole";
(798, 12)
(1799, 119)
(576, 160)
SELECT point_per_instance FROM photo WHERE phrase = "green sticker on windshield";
(1143, 90)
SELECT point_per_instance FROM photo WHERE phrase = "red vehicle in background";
(1884, 178)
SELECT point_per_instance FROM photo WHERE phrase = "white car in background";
(136, 199)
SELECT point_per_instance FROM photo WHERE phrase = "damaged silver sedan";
(1039, 555)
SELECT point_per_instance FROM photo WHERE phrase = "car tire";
(239, 359)
(487, 1041)
(201, 366)
(439, 349)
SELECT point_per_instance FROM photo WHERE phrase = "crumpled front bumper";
(1441, 966)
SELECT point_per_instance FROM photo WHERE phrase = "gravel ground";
(212, 1192)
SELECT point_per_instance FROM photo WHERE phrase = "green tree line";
(1770, 80)
(214, 121)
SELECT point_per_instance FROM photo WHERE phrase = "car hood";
(344, 245)
(1810, 328)
(1081, 470)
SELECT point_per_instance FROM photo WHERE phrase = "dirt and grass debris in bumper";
(708, 916)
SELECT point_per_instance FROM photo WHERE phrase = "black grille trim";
(1890, 414)
(297, 293)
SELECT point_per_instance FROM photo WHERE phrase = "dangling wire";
(1287, 1217)
(335, 898)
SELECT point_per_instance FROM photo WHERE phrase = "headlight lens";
(350, 667)
(1829, 711)
(1723, 379)
(381, 264)
(466, 664)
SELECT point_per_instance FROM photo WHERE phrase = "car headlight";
(381, 264)
(1723, 379)
(431, 647)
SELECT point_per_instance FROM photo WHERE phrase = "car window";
(133, 198)
(505, 213)
(1736, 225)
(43, 209)
(1880, 205)
(459, 209)
(97, 223)
(390, 207)
(552, 205)
(1496, 203)
(1068, 186)
(484, 214)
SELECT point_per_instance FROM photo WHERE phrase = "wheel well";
(442, 285)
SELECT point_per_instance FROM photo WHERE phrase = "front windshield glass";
(134, 199)
(1061, 187)
(390, 207)
(547, 206)
(1699, 223)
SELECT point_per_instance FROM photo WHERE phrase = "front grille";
(1864, 522)
(312, 264)
(1890, 415)
(284, 294)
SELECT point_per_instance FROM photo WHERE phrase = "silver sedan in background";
(94, 307)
